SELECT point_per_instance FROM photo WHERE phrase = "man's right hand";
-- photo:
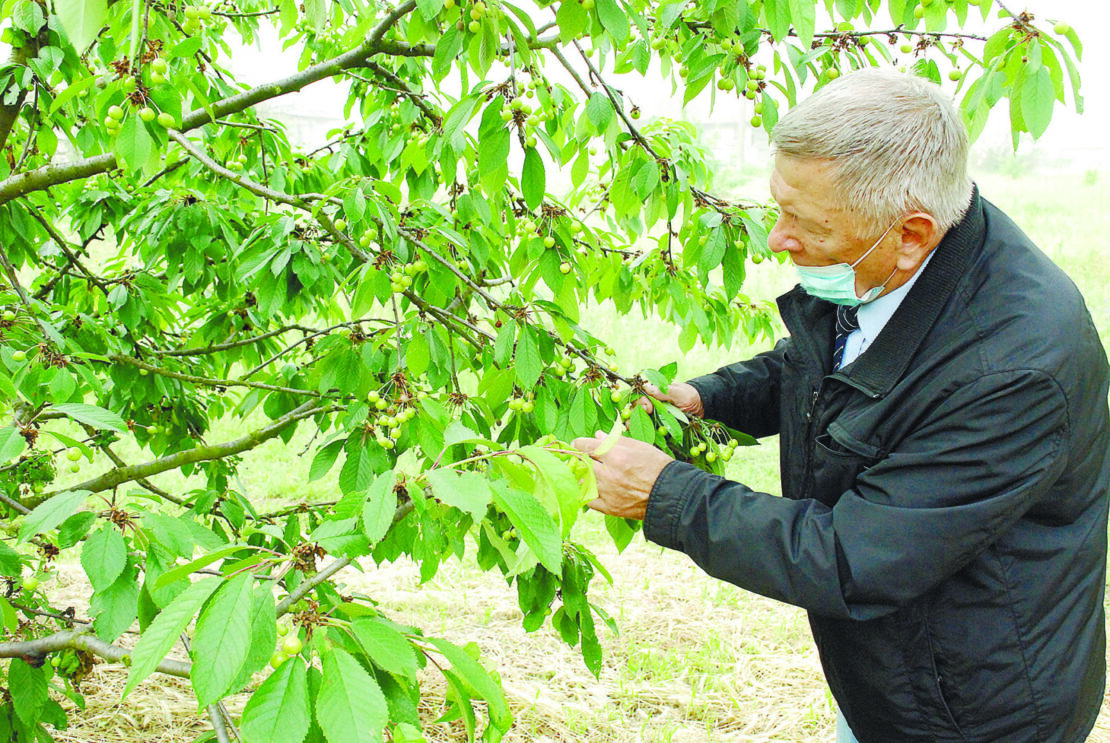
(683, 396)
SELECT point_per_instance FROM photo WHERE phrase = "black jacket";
(945, 510)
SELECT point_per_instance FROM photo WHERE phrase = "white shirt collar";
(874, 316)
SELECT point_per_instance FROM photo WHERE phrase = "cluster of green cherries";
(389, 425)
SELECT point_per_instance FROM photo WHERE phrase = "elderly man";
(941, 404)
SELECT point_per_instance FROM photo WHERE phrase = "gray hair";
(896, 142)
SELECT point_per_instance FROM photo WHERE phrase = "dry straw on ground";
(696, 661)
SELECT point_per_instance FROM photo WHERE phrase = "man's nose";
(779, 240)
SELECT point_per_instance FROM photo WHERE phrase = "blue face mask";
(837, 283)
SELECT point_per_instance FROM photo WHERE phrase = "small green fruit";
(757, 121)
(9, 315)
(30, 583)
(167, 120)
(19, 356)
(73, 454)
(340, 224)
(832, 73)
(615, 396)
(1061, 28)
(955, 75)
(291, 644)
(564, 267)
(906, 48)
(587, 4)
(549, 242)
(919, 11)
(116, 112)
(277, 659)
(474, 27)
(147, 114)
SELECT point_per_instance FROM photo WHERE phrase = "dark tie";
(846, 322)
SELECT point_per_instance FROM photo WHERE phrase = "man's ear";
(920, 233)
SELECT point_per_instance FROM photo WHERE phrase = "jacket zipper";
(807, 469)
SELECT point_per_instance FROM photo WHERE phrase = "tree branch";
(119, 475)
(79, 640)
(209, 381)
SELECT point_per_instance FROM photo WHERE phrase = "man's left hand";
(625, 475)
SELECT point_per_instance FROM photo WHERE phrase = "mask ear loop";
(871, 294)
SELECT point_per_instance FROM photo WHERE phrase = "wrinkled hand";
(625, 474)
(683, 396)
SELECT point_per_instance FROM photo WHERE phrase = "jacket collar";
(875, 372)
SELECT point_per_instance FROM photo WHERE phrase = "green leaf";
(104, 557)
(364, 460)
(387, 648)
(803, 14)
(50, 513)
(27, 687)
(222, 639)
(172, 576)
(164, 632)
(599, 110)
(613, 19)
(116, 607)
(379, 508)
(81, 19)
(532, 178)
(467, 491)
(417, 354)
(479, 678)
(535, 525)
(324, 459)
(91, 415)
(28, 17)
(1037, 99)
(278, 711)
(573, 19)
(529, 366)
(11, 444)
(10, 563)
(350, 706)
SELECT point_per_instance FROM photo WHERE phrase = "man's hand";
(683, 396)
(625, 475)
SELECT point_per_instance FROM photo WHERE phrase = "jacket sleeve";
(971, 469)
(745, 396)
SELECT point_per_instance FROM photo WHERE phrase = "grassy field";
(695, 660)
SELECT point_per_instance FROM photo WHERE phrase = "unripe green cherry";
(564, 267)
(147, 114)
(30, 583)
(1061, 28)
(19, 356)
(955, 75)
(167, 120)
(340, 224)
(277, 659)
(116, 112)
(549, 242)
(527, 406)
(73, 454)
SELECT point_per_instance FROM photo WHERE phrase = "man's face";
(815, 230)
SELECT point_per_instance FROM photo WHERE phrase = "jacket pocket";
(838, 459)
